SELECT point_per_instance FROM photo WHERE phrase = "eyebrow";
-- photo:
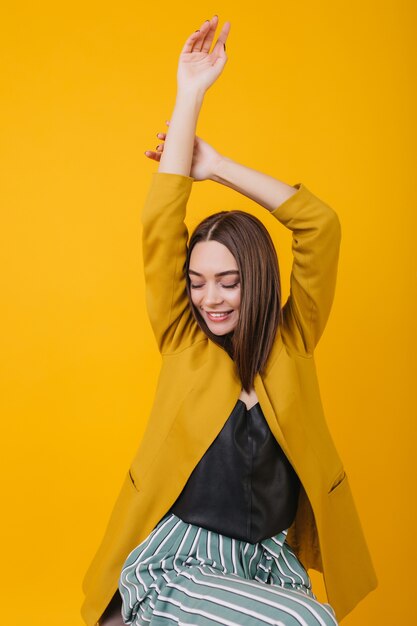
(226, 273)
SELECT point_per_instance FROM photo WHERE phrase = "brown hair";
(250, 343)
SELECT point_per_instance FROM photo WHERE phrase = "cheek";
(195, 297)
(235, 300)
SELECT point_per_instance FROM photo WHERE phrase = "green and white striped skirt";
(185, 574)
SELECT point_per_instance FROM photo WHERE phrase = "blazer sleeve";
(164, 249)
(316, 236)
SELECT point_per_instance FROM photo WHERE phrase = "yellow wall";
(316, 92)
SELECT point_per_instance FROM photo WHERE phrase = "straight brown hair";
(250, 343)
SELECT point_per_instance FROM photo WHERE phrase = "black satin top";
(244, 486)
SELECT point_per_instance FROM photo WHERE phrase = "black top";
(244, 486)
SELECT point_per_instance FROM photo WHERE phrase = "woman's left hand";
(205, 157)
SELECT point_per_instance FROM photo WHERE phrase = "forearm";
(262, 188)
(179, 144)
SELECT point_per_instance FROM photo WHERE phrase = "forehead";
(212, 256)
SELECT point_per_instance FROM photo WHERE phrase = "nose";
(212, 295)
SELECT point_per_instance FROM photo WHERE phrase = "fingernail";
(224, 46)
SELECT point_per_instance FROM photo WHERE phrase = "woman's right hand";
(204, 161)
(198, 68)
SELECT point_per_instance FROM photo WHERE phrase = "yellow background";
(316, 92)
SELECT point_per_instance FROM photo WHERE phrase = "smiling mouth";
(218, 317)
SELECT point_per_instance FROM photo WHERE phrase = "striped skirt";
(185, 574)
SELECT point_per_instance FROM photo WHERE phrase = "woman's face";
(215, 285)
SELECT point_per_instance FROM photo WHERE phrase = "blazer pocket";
(133, 481)
(337, 481)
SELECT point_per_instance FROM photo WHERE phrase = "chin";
(223, 331)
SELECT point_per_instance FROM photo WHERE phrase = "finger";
(206, 44)
(161, 135)
(193, 39)
(222, 38)
(155, 156)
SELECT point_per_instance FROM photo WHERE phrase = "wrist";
(190, 96)
(218, 174)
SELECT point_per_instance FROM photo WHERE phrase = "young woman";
(237, 488)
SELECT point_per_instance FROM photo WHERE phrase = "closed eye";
(225, 286)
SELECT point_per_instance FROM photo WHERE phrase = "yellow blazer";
(198, 387)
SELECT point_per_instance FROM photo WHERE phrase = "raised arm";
(198, 69)
(316, 238)
(164, 233)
